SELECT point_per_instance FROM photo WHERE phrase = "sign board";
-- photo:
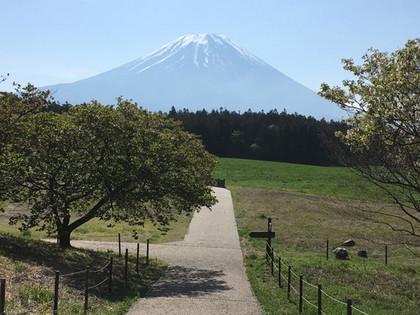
(262, 234)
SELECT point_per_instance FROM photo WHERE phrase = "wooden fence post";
(2, 296)
(137, 259)
(272, 261)
(289, 278)
(119, 244)
(86, 290)
(110, 274)
(57, 281)
(268, 244)
(300, 294)
(328, 249)
(126, 266)
(319, 299)
(280, 273)
(147, 253)
(349, 302)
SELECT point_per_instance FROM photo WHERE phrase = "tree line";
(270, 136)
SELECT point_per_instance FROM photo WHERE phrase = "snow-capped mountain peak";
(199, 71)
(199, 50)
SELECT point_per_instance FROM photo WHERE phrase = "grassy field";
(307, 207)
(327, 181)
(29, 267)
(318, 180)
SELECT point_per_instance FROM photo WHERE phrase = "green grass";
(97, 230)
(29, 267)
(318, 180)
(309, 205)
(302, 224)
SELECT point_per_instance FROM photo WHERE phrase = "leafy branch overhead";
(112, 162)
(384, 133)
(16, 106)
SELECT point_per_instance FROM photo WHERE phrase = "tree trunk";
(63, 238)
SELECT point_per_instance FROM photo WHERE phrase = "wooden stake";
(56, 284)
(328, 248)
(300, 294)
(2, 295)
(349, 308)
(319, 299)
(280, 273)
(272, 261)
(137, 259)
(147, 253)
(289, 278)
(126, 266)
(110, 275)
(87, 289)
(119, 244)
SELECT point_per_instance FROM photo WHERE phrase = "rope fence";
(87, 278)
(88, 275)
(97, 285)
(101, 269)
(74, 273)
(272, 257)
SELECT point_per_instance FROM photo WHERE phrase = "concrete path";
(206, 273)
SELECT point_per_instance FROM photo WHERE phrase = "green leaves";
(384, 132)
(15, 109)
(113, 162)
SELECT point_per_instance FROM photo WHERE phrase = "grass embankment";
(303, 202)
(29, 267)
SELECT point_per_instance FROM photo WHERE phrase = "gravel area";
(206, 273)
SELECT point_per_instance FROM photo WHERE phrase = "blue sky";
(55, 41)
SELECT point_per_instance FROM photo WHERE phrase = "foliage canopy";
(384, 133)
(112, 162)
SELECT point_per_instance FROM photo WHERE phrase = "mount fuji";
(199, 71)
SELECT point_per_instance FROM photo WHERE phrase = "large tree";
(384, 134)
(111, 162)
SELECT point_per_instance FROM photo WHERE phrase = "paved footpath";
(206, 273)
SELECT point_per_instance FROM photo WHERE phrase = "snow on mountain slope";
(208, 50)
(199, 71)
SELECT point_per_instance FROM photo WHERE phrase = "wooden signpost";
(262, 234)
(268, 235)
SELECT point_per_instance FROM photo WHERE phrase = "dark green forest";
(271, 136)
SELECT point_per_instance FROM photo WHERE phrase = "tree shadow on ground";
(190, 282)
(50, 255)
(70, 260)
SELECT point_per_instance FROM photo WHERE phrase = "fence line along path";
(206, 273)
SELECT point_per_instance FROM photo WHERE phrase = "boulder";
(341, 253)
(349, 242)
(362, 253)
